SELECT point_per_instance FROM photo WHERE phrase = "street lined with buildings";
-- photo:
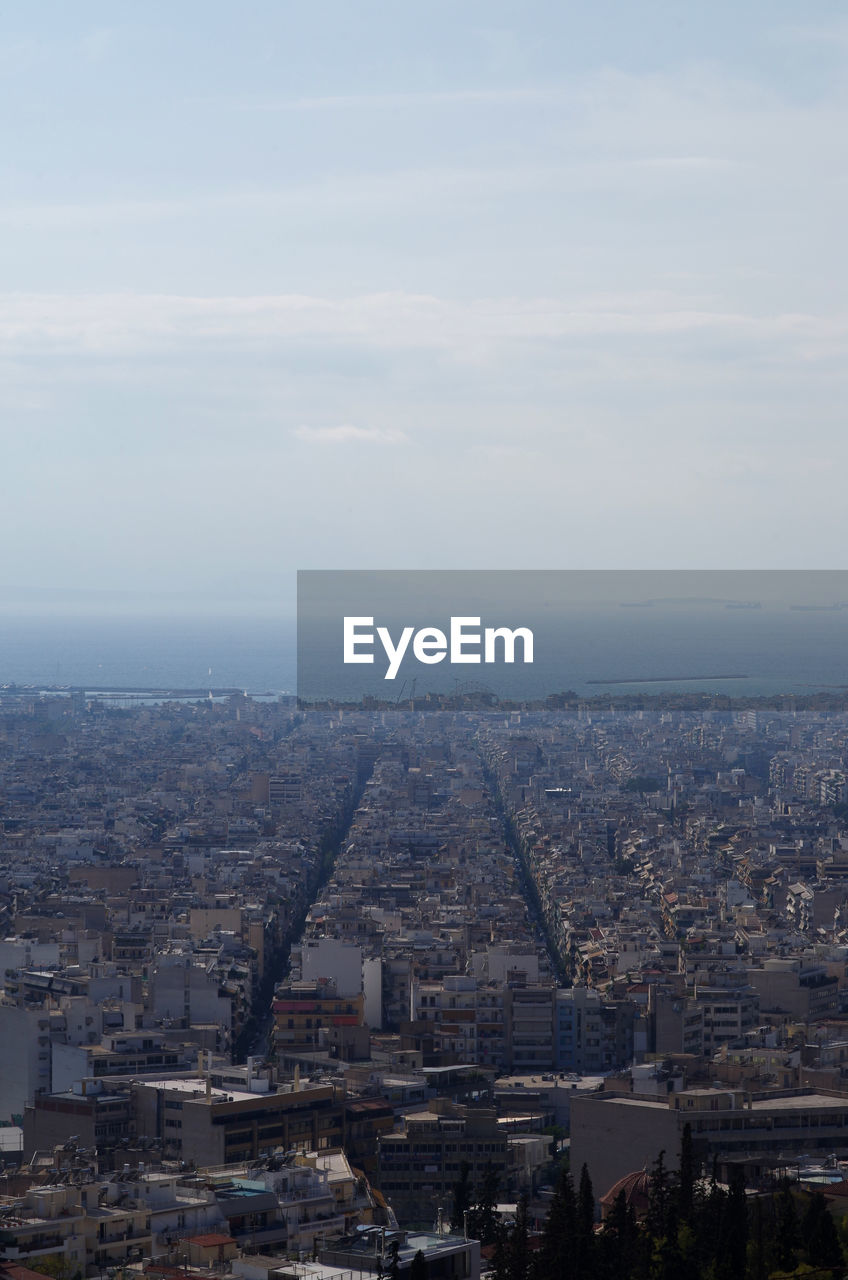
(452, 937)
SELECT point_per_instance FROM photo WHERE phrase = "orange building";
(304, 1009)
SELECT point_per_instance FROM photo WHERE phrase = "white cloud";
(97, 44)
(400, 188)
(346, 433)
(535, 96)
(833, 35)
(474, 329)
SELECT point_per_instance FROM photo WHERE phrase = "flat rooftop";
(196, 1089)
(803, 1102)
(569, 1083)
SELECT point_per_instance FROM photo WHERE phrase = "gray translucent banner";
(495, 636)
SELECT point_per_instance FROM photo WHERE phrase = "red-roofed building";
(14, 1271)
(211, 1248)
(637, 1193)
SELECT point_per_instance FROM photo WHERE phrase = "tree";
(686, 1176)
(585, 1228)
(733, 1235)
(618, 1241)
(660, 1254)
(394, 1261)
(709, 1217)
(666, 1257)
(500, 1259)
(786, 1227)
(757, 1245)
(557, 1134)
(483, 1218)
(518, 1249)
(642, 783)
(54, 1265)
(461, 1197)
(818, 1231)
(556, 1256)
(659, 1199)
(418, 1269)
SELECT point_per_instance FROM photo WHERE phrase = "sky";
(417, 285)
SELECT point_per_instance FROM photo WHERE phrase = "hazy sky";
(359, 285)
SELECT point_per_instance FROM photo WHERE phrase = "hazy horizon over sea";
(256, 654)
(592, 652)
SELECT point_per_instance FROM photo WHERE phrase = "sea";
(256, 655)
(599, 650)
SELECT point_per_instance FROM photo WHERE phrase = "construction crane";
(411, 691)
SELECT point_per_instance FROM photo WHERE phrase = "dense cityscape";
(423, 695)
(331, 991)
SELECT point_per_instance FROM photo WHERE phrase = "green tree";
(666, 1260)
(418, 1269)
(841, 1225)
(462, 1197)
(757, 1243)
(618, 1241)
(686, 1176)
(659, 1200)
(518, 1249)
(708, 1216)
(555, 1259)
(733, 1234)
(786, 1227)
(584, 1249)
(500, 1258)
(660, 1256)
(483, 1218)
(818, 1231)
(557, 1134)
(54, 1265)
(642, 783)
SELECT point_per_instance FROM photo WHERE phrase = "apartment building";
(593, 1035)
(211, 1126)
(421, 1161)
(616, 1133)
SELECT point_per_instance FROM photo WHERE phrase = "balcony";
(13, 1247)
(248, 1238)
(122, 1237)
